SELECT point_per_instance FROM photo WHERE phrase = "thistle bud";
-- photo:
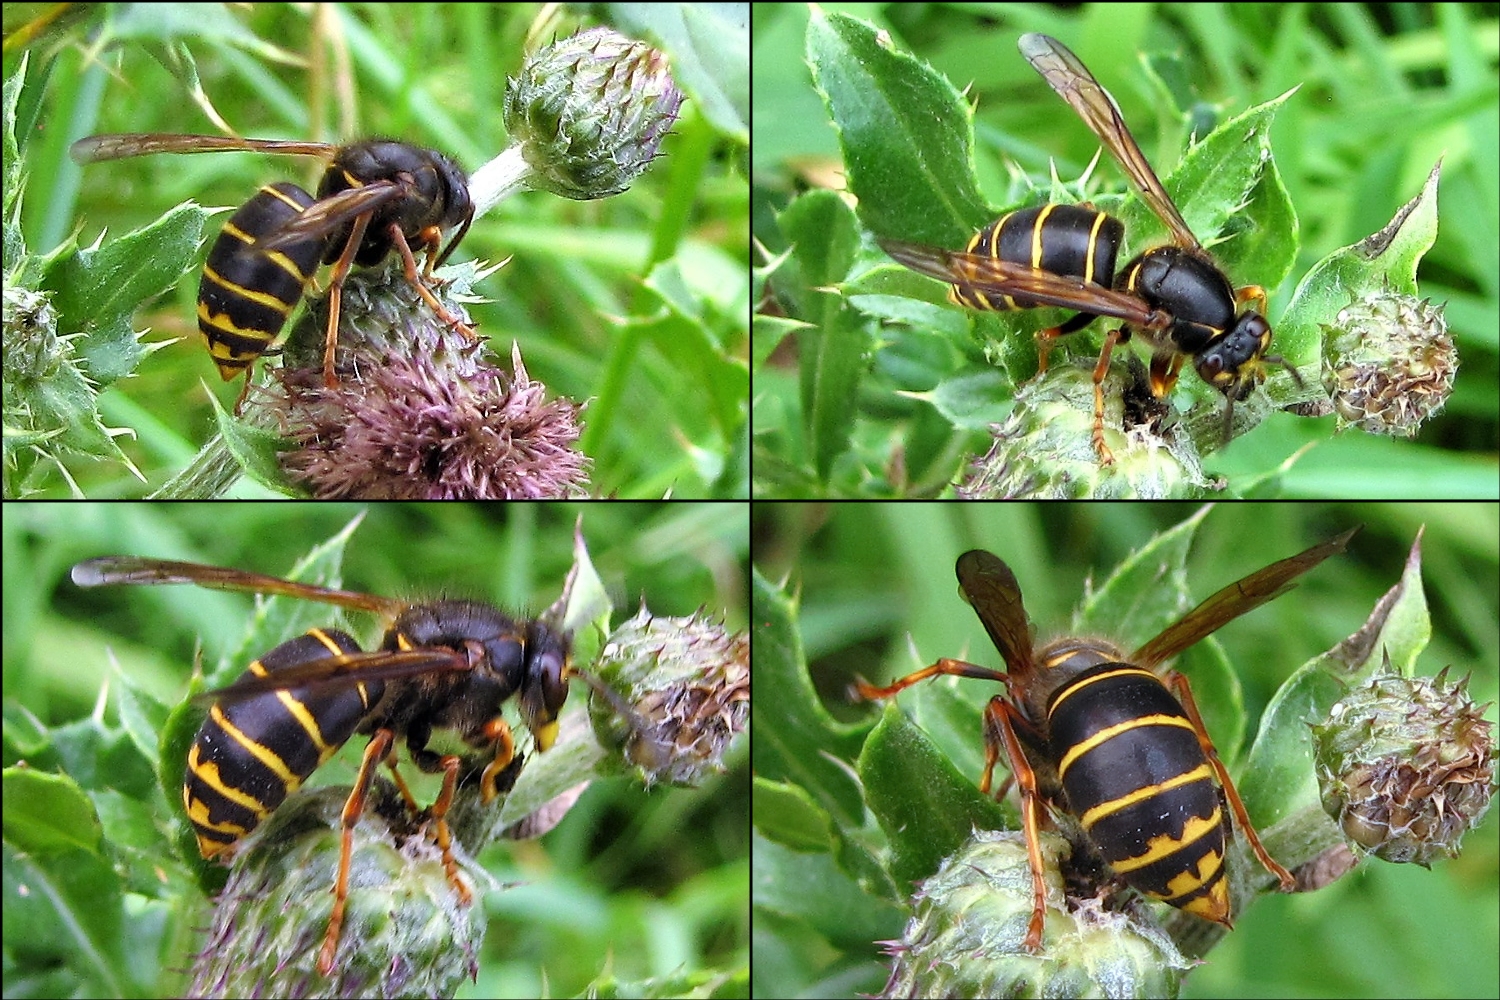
(672, 693)
(33, 350)
(1406, 765)
(965, 938)
(1389, 364)
(1045, 449)
(406, 930)
(590, 112)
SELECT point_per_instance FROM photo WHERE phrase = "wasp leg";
(1252, 293)
(1100, 370)
(1179, 686)
(239, 403)
(378, 750)
(441, 835)
(432, 239)
(498, 730)
(1044, 338)
(409, 262)
(451, 767)
(336, 295)
(401, 786)
(864, 691)
(1000, 721)
(1165, 367)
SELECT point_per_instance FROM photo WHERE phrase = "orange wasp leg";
(409, 263)
(498, 730)
(1253, 293)
(955, 668)
(1179, 686)
(377, 752)
(336, 295)
(1044, 338)
(999, 730)
(380, 751)
(1100, 370)
(441, 835)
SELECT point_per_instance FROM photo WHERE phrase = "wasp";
(1114, 740)
(1175, 298)
(441, 665)
(375, 196)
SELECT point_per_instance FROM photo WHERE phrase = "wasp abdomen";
(247, 292)
(251, 754)
(1062, 239)
(1136, 777)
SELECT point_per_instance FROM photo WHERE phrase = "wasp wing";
(992, 591)
(1234, 600)
(995, 276)
(329, 214)
(113, 147)
(1067, 75)
(109, 570)
(342, 671)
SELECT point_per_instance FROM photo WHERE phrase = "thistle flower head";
(405, 931)
(965, 937)
(1389, 364)
(417, 413)
(1045, 449)
(33, 350)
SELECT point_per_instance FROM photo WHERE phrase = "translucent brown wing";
(109, 570)
(343, 671)
(995, 276)
(117, 146)
(1074, 83)
(329, 214)
(1236, 599)
(992, 591)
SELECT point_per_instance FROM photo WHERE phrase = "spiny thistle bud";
(965, 938)
(1406, 766)
(1389, 364)
(590, 112)
(417, 414)
(33, 350)
(1045, 449)
(672, 693)
(406, 930)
